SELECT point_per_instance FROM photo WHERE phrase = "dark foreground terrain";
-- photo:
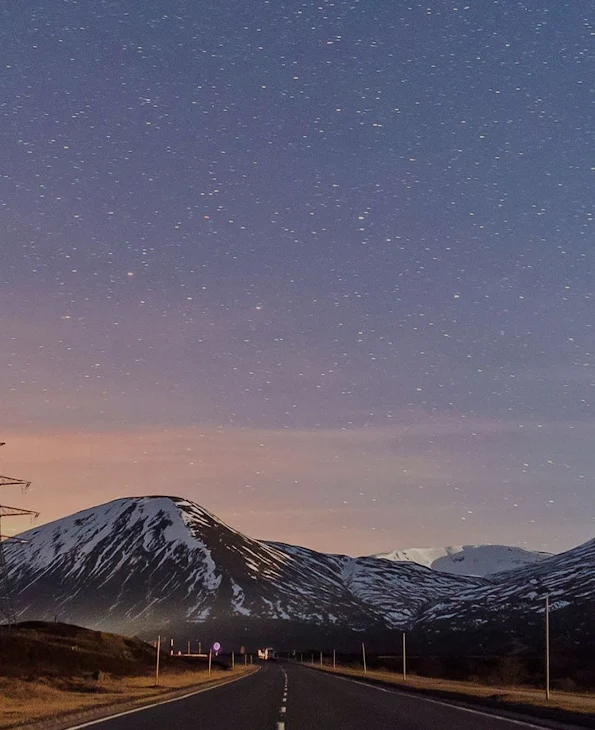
(54, 650)
(50, 670)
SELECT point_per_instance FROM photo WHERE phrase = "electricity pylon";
(7, 612)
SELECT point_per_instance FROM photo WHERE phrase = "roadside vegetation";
(50, 672)
(500, 690)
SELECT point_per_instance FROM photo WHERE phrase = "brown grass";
(24, 702)
(50, 672)
(567, 701)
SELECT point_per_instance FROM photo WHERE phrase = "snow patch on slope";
(477, 560)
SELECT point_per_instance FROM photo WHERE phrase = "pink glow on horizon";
(283, 485)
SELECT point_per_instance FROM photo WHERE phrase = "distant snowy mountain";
(147, 563)
(478, 560)
(568, 579)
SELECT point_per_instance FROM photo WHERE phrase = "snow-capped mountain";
(396, 594)
(150, 565)
(478, 560)
(140, 564)
(516, 599)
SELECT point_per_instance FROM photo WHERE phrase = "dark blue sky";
(309, 217)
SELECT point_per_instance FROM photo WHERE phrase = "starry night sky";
(326, 268)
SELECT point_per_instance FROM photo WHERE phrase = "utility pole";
(404, 656)
(364, 657)
(547, 647)
(157, 662)
(7, 610)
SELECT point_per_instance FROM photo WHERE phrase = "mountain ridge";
(163, 564)
(149, 561)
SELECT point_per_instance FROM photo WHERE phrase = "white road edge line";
(156, 704)
(492, 715)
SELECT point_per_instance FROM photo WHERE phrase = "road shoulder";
(508, 708)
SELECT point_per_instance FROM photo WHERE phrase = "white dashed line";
(283, 708)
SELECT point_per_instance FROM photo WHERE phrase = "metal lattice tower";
(7, 612)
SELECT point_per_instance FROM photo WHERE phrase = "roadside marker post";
(245, 660)
(210, 660)
(188, 646)
(364, 657)
(404, 656)
(157, 661)
(547, 647)
(320, 658)
(233, 660)
(334, 660)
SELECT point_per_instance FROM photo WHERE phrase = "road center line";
(283, 709)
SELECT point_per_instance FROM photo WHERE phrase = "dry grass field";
(567, 701)
(51, 672)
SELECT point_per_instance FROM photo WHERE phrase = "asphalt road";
(290, 697)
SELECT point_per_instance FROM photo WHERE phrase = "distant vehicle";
(267, 654)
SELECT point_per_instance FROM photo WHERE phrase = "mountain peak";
(163, 564)
(478, 560)
(138, 563)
